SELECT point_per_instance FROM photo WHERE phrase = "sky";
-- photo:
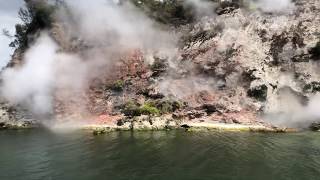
(8, 19)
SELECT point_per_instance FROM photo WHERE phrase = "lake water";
(43, 154)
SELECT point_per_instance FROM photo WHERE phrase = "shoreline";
(193, 127)
(149, 123)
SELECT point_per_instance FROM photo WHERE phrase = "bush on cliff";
(168, 105)
(149, 109)
(118, 85)
(133, 109)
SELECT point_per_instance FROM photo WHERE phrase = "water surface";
(42, 154)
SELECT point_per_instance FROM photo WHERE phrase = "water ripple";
(158, 155)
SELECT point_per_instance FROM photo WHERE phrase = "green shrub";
(131, 109)
(118, 85)
(168, 106)
(149, 109)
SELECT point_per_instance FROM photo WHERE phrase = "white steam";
(108, 24)
(32, 83)
(202, 7)
(44, 70)
(273, 5)
(106, 30)
(187, 86)
(292, 113)
(109, 30)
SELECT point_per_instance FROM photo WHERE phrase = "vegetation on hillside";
(35, 16)
(173, 12)
(151, 107)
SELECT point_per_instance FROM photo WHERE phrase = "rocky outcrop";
(147, 123)
(15, 118)
(255, 57)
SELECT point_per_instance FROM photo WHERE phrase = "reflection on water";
(41, 154)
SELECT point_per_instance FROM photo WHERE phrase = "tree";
(37, 15)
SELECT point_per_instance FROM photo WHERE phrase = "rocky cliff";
(239, 64)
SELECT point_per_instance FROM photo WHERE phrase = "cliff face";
(263, 62)
(239, 65)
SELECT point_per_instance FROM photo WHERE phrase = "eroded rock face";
(229, 68)
(256, 56)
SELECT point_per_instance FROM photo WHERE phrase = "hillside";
(164, 64)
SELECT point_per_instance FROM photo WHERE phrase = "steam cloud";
(293, 114)
(106, 29)
(32, 83)
(274, 5)
(202, 7)
(104, 23)
(43, 71)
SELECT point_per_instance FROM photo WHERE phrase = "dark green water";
(41, 154)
